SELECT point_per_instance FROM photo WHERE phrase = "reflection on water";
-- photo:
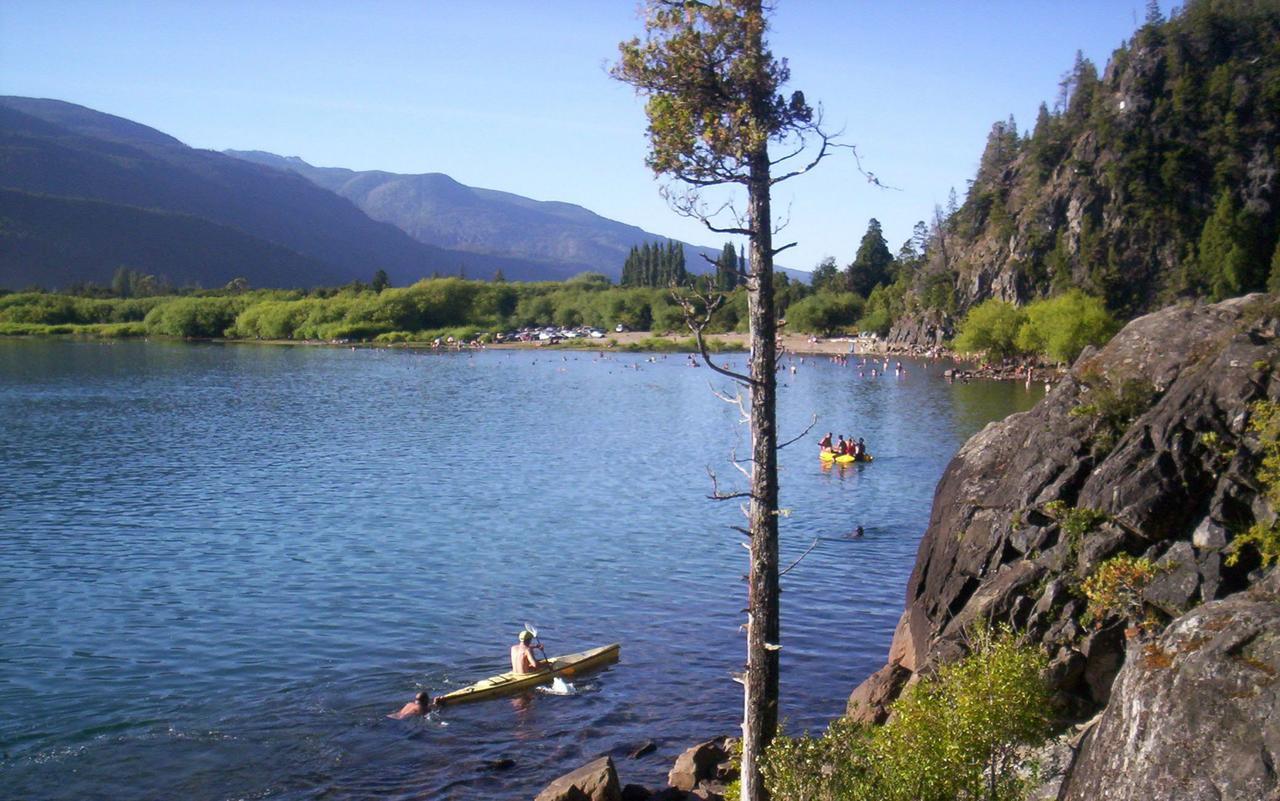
(223, 565)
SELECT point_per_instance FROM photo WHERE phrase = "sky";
(516, 96)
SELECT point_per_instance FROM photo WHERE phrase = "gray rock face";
(1170, 473)
(1195, 713)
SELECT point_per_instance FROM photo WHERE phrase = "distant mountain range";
(57, 155)
(83, 193)
(437, 210)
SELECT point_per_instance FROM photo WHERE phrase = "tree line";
(371, 312)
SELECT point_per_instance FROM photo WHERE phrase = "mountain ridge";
(56, 149)
(436, 209)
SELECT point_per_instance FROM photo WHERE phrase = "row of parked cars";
(553, 334)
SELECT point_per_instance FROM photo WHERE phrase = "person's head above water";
(423, 699)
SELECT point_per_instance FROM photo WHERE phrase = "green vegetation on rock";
(955, 735)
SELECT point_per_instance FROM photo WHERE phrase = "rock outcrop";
(701, 773)
(595, 781)
(1195, 713)
(1145, 449)
(702, 766)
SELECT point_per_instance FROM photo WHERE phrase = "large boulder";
(1195, 712)
(702, 764)
(595, 781)
(1146, 441)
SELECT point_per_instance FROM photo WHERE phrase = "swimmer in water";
(419, 706)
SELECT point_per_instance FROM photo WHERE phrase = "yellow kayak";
(828, 456)
(510, 683)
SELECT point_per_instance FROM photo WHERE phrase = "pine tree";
(715, 104)
(826, 276)
(727, 268)
(871, 266)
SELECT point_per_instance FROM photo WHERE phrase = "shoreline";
(968, 368)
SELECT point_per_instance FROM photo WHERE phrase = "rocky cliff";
(1146, 448)
(1155, 180)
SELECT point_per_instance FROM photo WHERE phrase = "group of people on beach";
(843, 447)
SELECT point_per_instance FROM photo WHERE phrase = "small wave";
(559, 687)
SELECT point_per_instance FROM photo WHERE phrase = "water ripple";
(224, 565)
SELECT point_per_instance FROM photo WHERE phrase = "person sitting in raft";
(825, 445)
(840, 446)
(862, 449)
(420, 705)
(523, 659)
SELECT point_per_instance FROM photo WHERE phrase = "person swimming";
(421, 704)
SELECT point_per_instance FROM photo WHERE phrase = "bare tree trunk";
(760, 713)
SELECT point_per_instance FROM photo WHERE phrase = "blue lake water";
(222, 566)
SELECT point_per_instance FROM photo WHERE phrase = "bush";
(1060, 328)
(1115, 589)
(1264, 538)
(194, 317)
(1113, 405)
(955, 735)
(991, 328)
(825, 312)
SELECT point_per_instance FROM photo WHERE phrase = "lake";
(223, 565)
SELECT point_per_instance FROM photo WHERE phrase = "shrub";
(955, 735)
(1264, 421)
(194, 317)
(825, 312)
(991, 328)
(1113, 405)
(1115, 589)
(1062, 327)
(1263, 537)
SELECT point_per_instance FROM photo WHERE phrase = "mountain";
(286, 230)
(435, 209)
(1158, 180)
(55, 241)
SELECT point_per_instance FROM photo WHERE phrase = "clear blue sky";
(514, 95)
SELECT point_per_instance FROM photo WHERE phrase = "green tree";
(122, 282)
(714, 104)
(872, 264)
(380, 281)
(826, 276)
(727, 269)
(1062, 326)
(825, 312)
(992, 328)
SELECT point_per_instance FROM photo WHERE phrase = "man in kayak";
(420, 705)
(523, 659)
(825, 444)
